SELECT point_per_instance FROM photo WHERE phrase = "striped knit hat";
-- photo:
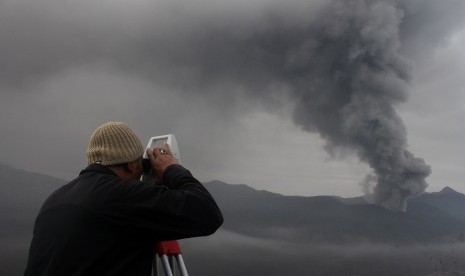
(114, 143)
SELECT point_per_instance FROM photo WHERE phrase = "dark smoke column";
(340, 64)
(349, 75)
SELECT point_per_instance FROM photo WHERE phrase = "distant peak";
(447, 190)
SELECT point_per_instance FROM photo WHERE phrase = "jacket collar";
(97, 168)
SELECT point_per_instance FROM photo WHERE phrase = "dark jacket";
(100, 224)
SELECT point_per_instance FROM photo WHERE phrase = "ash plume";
(344, 71)
(341, 66)
(350, 75)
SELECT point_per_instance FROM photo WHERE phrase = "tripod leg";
(182, 266)
(155, 266)
(166, 265)
(172, 265)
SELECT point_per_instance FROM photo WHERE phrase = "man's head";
(115, 145)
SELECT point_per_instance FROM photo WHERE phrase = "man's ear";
(134, 166)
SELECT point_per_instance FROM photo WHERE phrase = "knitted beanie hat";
(114, 143)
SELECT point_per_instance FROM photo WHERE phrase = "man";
(107, 222)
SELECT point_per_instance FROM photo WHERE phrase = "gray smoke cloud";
(349, 74)
(345, 74)
(342, 64)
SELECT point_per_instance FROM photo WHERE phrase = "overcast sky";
(230, 80)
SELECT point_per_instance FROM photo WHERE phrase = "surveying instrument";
(167, 251)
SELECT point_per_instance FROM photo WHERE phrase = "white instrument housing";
(159, 141)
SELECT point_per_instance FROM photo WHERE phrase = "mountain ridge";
(330, 219)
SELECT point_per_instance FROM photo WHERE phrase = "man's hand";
(161, 158)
